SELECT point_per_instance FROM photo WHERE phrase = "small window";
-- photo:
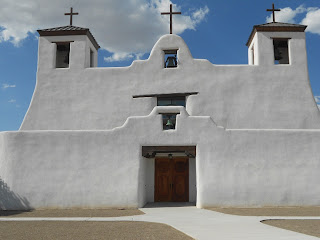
(91, 58)
(171, 101)
(281, 53)
(62, 55)
(169, 121)
(170, 58)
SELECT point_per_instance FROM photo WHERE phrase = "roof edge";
(266, 28)
(85, 31)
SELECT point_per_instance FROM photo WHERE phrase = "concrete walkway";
(202, 224)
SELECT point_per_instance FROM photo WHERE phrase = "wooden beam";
(151, 151)
(166, 95)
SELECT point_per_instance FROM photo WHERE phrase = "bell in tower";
(171, 62)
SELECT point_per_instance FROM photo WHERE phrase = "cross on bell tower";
(170, 13)
(71, 15)
(273, 10)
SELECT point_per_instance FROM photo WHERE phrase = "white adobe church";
(167, 129)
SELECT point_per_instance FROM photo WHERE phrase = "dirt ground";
(310, 227)
(72, 213)
(136, 230)
(271, 211)
(88, 230)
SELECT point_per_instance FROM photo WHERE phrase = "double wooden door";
(171, 179)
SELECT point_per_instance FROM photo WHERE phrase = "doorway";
(171, 179)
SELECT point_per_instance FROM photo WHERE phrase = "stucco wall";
(256, 129)
(261, 168)
(192, 180)
(264, 96)
(106, 169)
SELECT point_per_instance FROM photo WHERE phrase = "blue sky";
(213, 30)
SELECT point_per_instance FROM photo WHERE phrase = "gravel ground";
(72, 213)
(88, 230)
(271, 211)
(310, 227)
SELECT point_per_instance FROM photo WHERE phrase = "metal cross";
(170, 13)
(71, 14)
(273, 10)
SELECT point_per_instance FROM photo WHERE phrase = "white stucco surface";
(106, 169)
(256, 129)
(264, 96)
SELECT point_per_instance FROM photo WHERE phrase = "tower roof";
(69, 30)
(276, 27)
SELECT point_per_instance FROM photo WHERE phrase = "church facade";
(167, 129)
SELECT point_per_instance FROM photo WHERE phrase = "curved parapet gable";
(170, 42)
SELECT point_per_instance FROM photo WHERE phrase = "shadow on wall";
(11, 201)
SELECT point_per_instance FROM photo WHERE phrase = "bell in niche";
(169, 124)
(171, 62)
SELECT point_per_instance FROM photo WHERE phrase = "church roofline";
(69, 30)
(275, 27)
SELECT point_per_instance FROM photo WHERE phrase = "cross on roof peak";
(170, 13)
(273, 10)
(71, 15)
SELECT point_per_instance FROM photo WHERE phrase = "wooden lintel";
(166, 95)
(280, 38)
(62, 42)
(150, 151)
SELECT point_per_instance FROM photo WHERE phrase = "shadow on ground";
(9, 200)
(169, 204)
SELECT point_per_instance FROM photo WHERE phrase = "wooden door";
(171, 179)
(180, 180)
(163, 185)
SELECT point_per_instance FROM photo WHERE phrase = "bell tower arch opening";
(170, 58)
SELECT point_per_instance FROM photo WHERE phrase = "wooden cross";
(71, 14)
(273, 10)
(170, 13)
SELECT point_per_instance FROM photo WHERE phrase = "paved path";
(202, 224)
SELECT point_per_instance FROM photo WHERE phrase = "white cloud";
(12, 101)
(126, 30)
(287, 14)
(116, 57)
(119, 57)
(200, 14)
(5, 86)
(312, 19)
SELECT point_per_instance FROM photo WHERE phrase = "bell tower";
(277, 43)
(67, 47)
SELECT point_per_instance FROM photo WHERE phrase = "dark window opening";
(62, 56)
(91, 58)
(171, 101)
(169, 121)
(170, 58)
(281, 52)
